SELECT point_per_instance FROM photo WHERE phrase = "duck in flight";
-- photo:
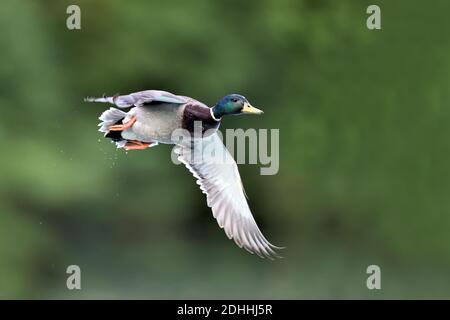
(154, 115)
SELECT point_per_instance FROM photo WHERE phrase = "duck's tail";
(109, 118)
(103, 99)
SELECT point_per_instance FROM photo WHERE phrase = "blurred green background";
(364, 153)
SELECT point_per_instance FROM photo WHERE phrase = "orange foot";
(136, 145)
(126, 125)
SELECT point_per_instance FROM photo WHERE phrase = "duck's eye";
(234, 100)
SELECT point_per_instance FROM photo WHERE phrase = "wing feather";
(218, 177)
(140, 98)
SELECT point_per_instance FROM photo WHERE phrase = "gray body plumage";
(158, 114)
(154, 123)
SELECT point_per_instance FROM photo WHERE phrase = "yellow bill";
(248, 108)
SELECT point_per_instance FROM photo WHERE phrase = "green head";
(233, 104)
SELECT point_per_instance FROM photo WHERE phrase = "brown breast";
(198, 112)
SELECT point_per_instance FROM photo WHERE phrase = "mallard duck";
(152, 118)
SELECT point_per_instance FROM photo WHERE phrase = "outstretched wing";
(140, 98)
(218, 177)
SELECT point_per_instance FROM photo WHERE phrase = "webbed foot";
(124, 126)
(136, 145)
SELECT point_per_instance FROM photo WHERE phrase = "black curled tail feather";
(109, 118)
